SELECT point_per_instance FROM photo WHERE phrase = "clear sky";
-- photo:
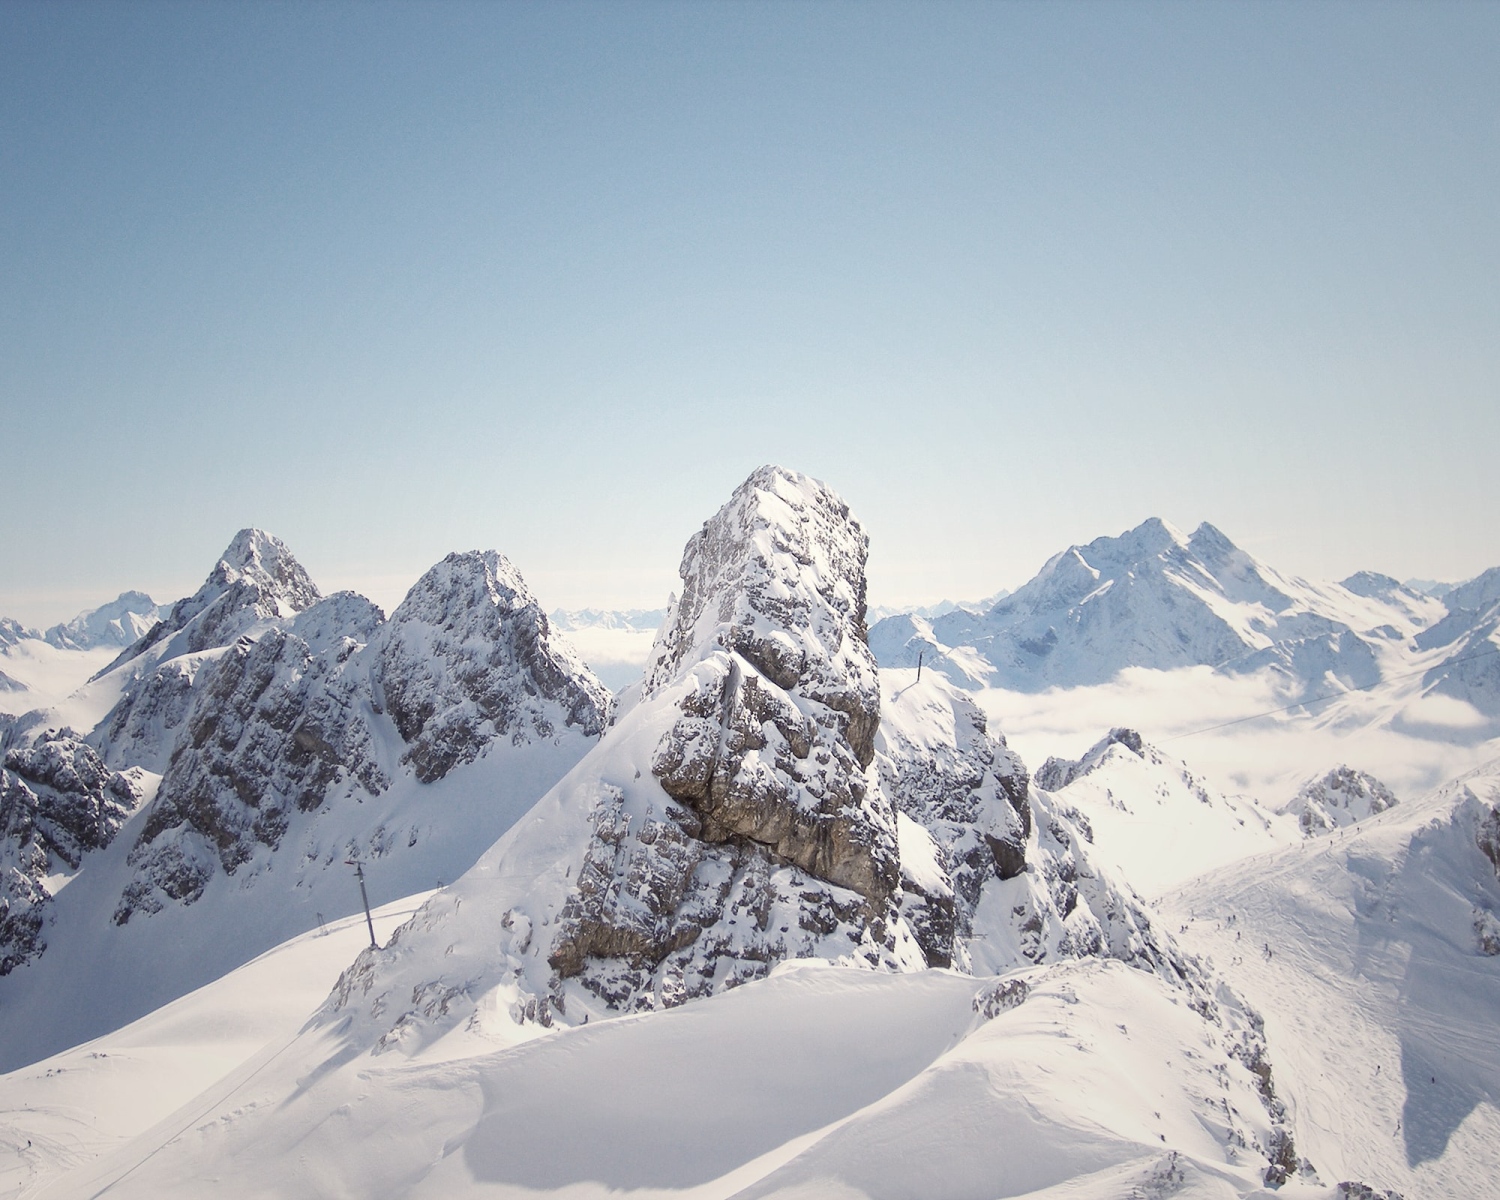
(395, 280)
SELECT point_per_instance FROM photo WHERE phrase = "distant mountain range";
(1157, 598)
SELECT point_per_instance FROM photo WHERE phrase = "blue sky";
(395, 280)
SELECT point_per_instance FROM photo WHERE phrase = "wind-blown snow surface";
(1157, 821)
(818, 1081)
(1374, 953)
(66, 1111)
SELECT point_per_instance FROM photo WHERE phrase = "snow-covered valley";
(1163, 875)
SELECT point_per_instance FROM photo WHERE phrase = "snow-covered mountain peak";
(263, 557)
(255, 580)
(469, 656)
(1057, 773)
(119, 623)
(13, 632)
(1154, 816)
(1478, 594)
(1337, 799)
(778, 576)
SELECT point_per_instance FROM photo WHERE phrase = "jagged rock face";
(277, 725)
(255, 580)
(142, 728)
(58, 801)
(778, 577)
(658, 916)
(468, 657)
(12, 632)
(779, 702)
(1339, 798)
(256, 583)
(274, 724)
(968, 797)
(775, 738)
(1488, 837)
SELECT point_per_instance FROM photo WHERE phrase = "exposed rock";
(1487, 932)
(1363, 1191)
(1487, 836)
(968, 792)
(777, 576)
(1001, 996)
(764, 659)
(469, 657)
(1340, 798)
(58, 801)
(1056, 773)
(13, 632)
(274, 723)
(256, 584)
(279, 723)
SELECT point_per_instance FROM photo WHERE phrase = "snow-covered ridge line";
(1159, 599)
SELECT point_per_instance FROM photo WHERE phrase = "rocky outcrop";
(1340, 798)
(12, 632)
(254, 585)
(468, 657)
(295, 718)
(770, 806)
(58, 802)
(255, 580)
(274, 724)
(968, 799)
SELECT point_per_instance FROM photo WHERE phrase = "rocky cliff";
(757, 800)
(58, 801)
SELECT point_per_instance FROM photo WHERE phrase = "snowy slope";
(66, 1111)
(1373, 953)
(1092, 1079)
(1157, 821)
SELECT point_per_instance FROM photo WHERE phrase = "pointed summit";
(256, 579)
(778, 576)
(263, 559)
(469, 657)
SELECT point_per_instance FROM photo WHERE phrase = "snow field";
(62, 1113)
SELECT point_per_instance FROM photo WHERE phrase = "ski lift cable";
(1364, 687)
